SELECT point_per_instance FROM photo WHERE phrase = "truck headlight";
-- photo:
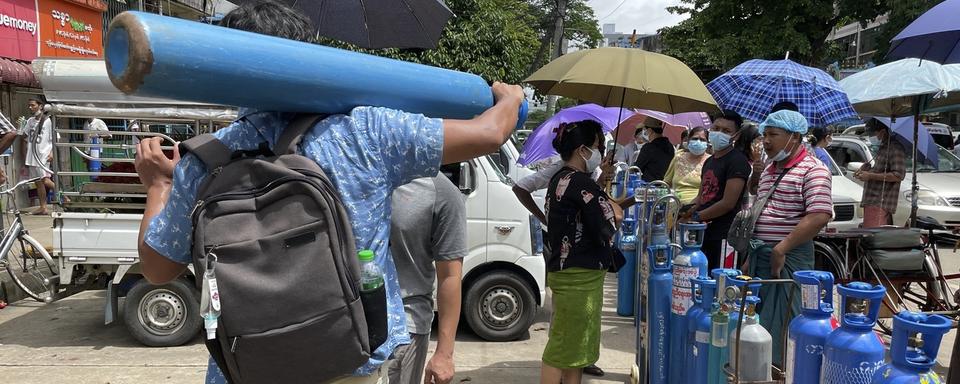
(927, 197)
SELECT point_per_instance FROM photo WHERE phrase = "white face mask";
(873, 140)
(594, 161)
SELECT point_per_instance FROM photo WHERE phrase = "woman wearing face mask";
(683, 174)
(722, 182)
(820, 139)
(581, 223)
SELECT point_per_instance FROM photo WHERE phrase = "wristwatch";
(695, 216)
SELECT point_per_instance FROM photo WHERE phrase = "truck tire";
(162, 315)
(500, 306)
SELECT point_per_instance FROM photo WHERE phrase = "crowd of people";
(716, 172)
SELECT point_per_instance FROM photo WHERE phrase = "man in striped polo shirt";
(799, 206)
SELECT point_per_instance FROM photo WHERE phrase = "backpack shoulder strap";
(210, 150)
(293, 133)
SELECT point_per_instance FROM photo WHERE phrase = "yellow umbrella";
(625, 77)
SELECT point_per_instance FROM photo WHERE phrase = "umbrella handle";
(522, 119)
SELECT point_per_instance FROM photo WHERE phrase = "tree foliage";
(495, 39)
(902, 13)
(720, 34)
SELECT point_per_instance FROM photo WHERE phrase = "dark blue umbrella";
(754, 87)
(902, 130)
(934, 36)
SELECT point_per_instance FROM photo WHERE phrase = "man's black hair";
(785, 105)
(572, 136)
(37, 100)
(729, 114)
(270, 18)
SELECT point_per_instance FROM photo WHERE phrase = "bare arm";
(467, 139)
(731, 194)
(440, 368)
(156, 173)
(526, 199)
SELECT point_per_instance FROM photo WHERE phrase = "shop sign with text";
(70, 30)
(19, 29)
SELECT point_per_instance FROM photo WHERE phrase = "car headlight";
(859, 210)
(926, 197)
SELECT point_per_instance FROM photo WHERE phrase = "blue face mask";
(782, 155)
(697, 147)
(719, 140)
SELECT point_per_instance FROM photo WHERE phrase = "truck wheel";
(162, 315)
(500, 306)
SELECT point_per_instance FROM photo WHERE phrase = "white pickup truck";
(95, 238)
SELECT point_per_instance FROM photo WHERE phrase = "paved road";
(67, 342)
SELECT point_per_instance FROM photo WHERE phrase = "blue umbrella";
(754, 87)
(934, 36)
(902, 130)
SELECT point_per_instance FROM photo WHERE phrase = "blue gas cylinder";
(626, 277)
(913, 349)
(852, 353)
(698, 320)
(689, 263)
(808, 332)
(660, 284)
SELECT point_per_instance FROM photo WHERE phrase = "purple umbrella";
(686, 119)
(934, 36)
(539, 145)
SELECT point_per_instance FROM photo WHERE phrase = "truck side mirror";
(466, 178)
(854, 167)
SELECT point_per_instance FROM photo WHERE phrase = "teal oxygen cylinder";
(756, 347)
(699, 320)
(913, 349)
(852, 353)
(719, 342)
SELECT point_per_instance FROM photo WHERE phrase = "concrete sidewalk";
(66, 341)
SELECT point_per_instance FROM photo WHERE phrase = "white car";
(938, 196)
(847, 213)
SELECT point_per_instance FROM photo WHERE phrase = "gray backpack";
(285, 263)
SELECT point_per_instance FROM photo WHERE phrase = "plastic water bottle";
(373, 295)
(371, 278)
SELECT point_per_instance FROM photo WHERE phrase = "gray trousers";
(406, 366)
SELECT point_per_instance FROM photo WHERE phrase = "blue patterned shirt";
(366, 155)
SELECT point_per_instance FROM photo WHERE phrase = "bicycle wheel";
(32, 269)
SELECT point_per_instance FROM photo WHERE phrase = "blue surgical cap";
(786, 119)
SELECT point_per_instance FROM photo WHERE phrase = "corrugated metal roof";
(16, 72)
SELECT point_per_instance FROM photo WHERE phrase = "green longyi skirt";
(575, 328)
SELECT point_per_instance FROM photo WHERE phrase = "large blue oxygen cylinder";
(153, 55)
(698, 319)
(689, 263)
(808, 332)
(661, 282)
(627, 276)
(913, 350)
(853, 353)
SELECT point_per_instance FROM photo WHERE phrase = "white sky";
(646, 16)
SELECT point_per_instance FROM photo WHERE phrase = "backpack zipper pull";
(196, 207)
(210, 297)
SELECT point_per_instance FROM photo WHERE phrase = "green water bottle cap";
(366, 255)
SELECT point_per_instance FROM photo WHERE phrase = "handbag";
(741, 231)
(617, 260)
